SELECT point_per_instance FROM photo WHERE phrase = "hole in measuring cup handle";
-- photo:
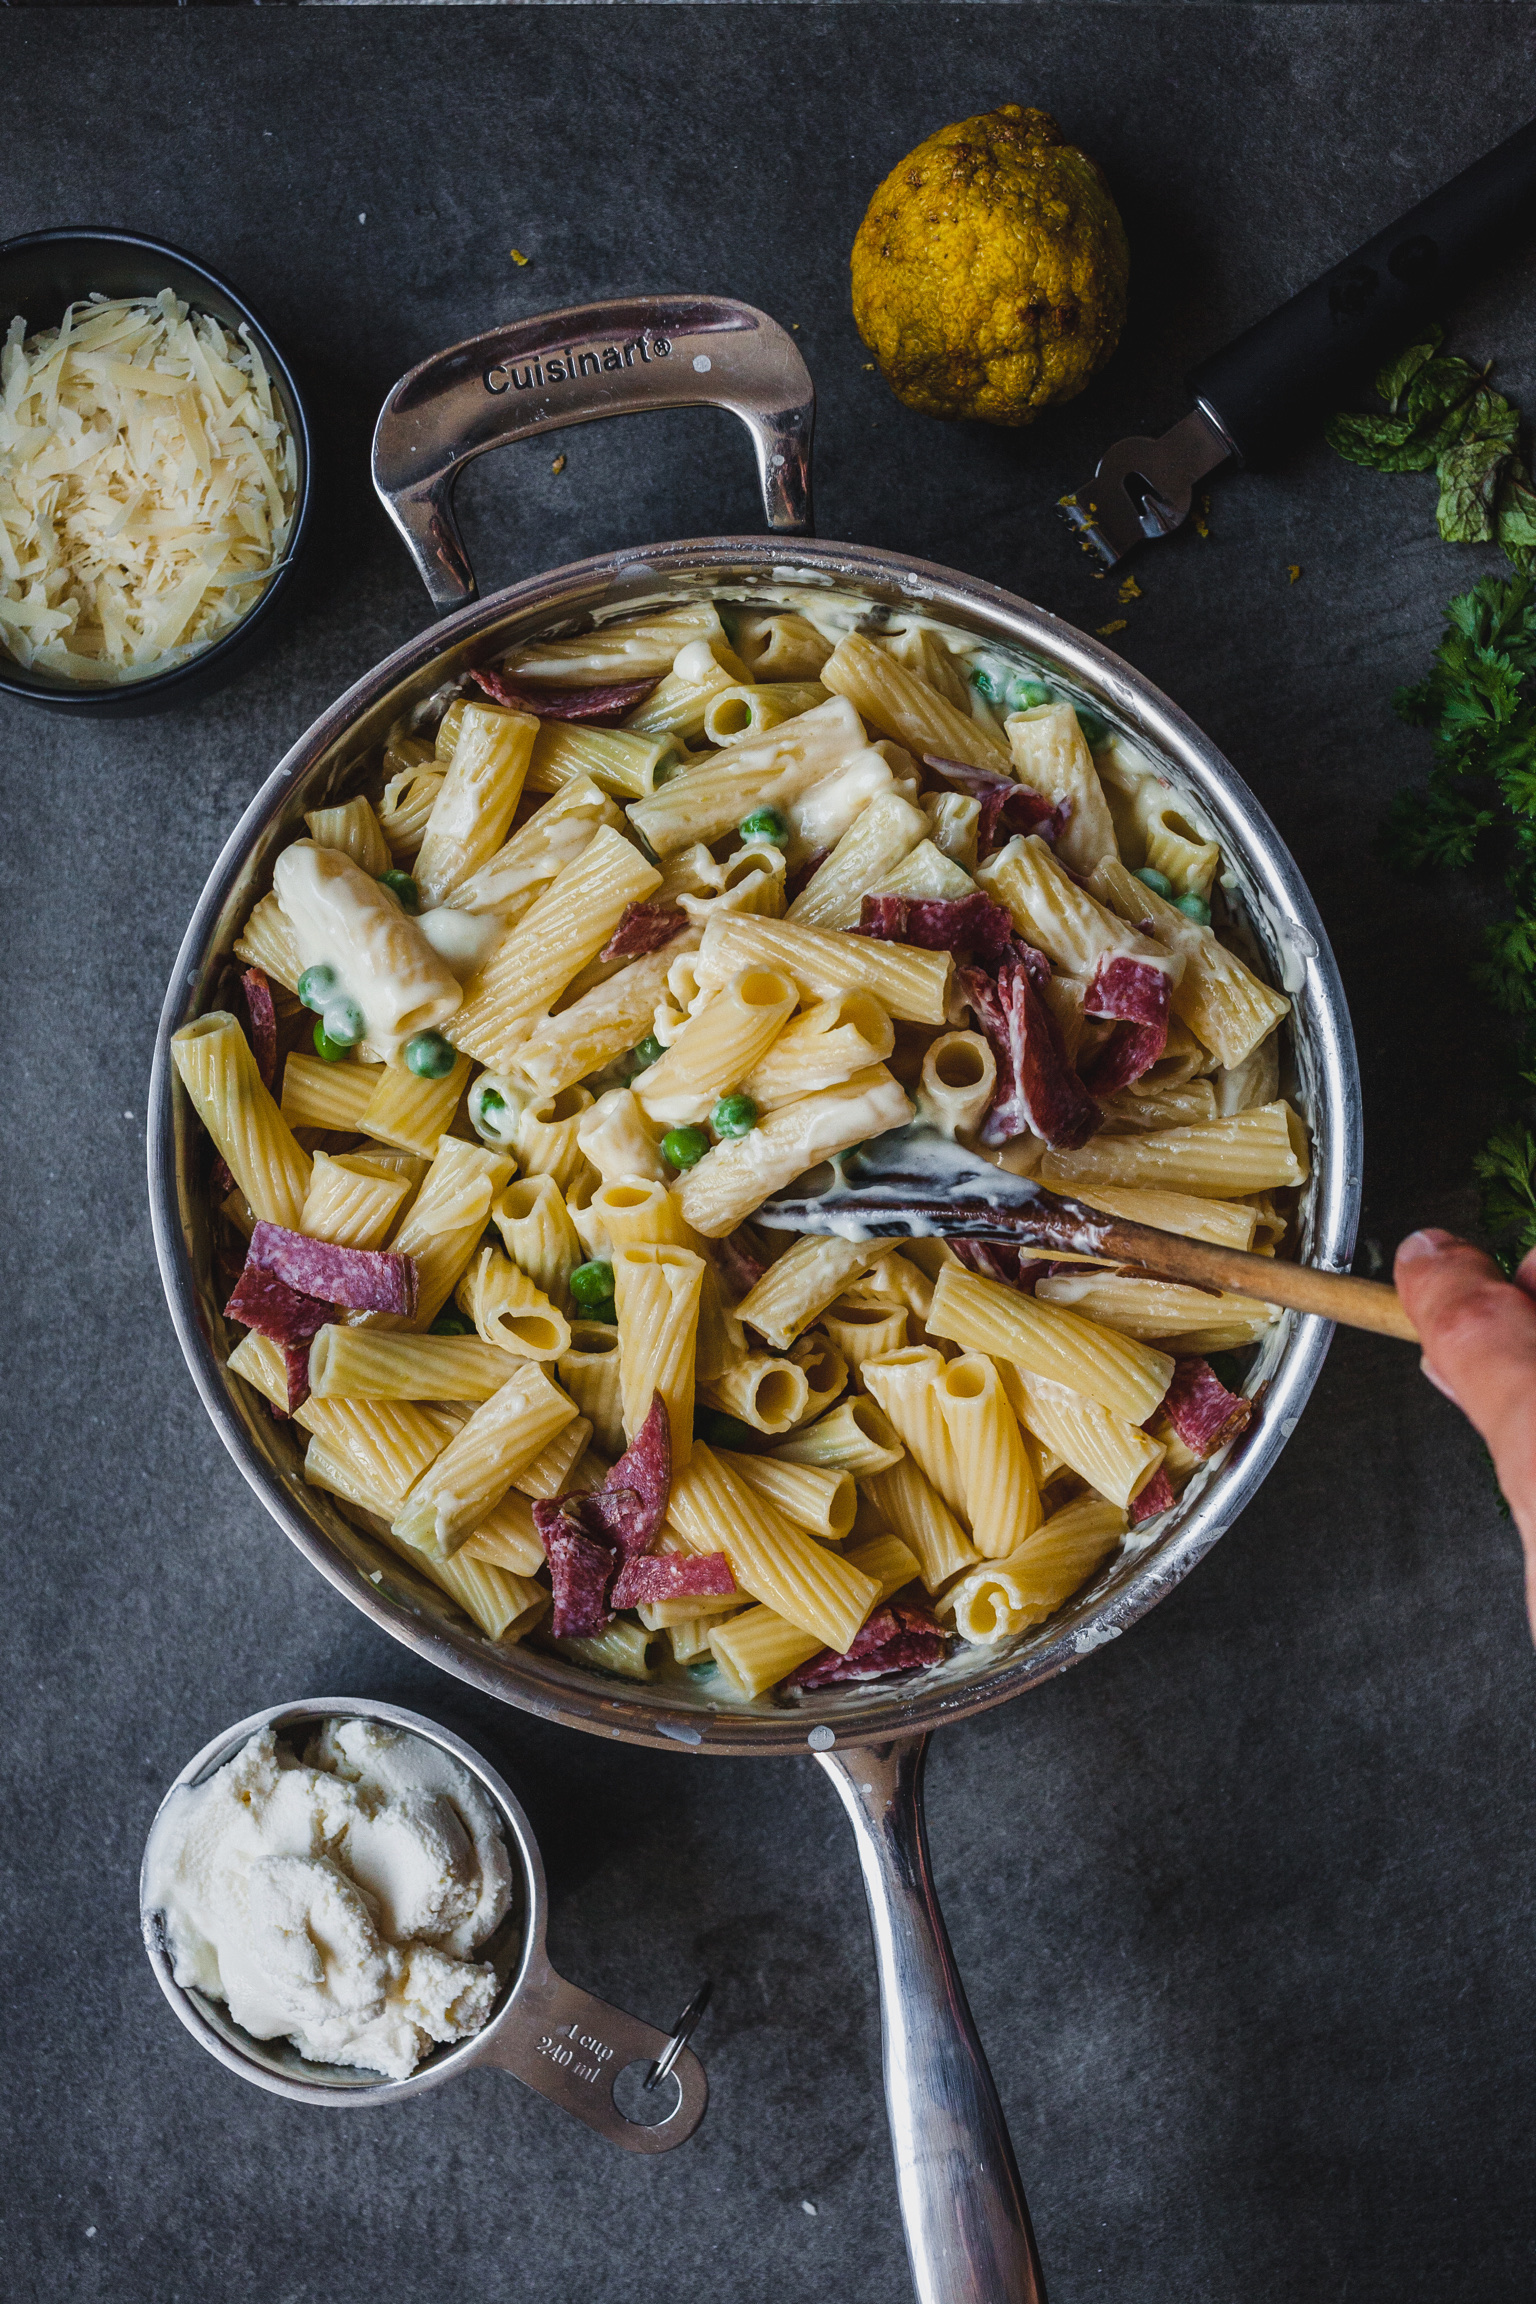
(646, 2107)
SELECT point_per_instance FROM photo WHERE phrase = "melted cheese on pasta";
(344, 920)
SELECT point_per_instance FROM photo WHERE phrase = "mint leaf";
(1444, 414)
(1471, 471)
(1398, 374)
(1380, 443)
(1440, 387)
(1515, 514)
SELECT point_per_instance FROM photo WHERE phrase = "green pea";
(343, 1022)
(490, 1115)
(734, 1116)
(1194, 908)
(684, 1147)
(764, 824)
(429, 1056)
(452, 1322)
(1158, 882)
(332, 1050)
(592, 1284)
(1094, 727)
(318, 987)
(665, 770)
(402, 885)
(984, 684)
(644, 1054)
(702, 1668)
(1024, 695)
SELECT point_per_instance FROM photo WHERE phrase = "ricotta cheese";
(335, 1901)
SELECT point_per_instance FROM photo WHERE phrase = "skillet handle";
(613, 359)
(962, 2205)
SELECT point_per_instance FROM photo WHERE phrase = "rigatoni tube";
(1002, 1502)
(218, 1071)
(477, 1467)
(656, 1294)
(1047, 1340)
(1006, 1596)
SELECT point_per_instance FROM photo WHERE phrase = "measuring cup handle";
(613, 359)
(572, 2047)
(962, 2206)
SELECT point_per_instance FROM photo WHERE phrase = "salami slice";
(1036, 1086)
(363, 1279)
(1203, 1413)
(610, 703)
(264, 1301)
(1136, 993)
(590, 1535)
(1007, 809)
(797, 881)
(643, 928)
(970, 928)
(579, 1574)
(261, 1013)
(993, 1259)
(672, 1576)
(631, 1505)
(296, 1365)
(898, 1638)
(1157, 1496)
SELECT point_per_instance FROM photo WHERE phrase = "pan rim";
(544, 1685)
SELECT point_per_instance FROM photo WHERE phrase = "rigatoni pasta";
(218, 1071)
(598, 992)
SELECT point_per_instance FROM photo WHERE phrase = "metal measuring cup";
(640, 2088)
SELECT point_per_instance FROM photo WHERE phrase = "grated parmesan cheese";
(147, 488)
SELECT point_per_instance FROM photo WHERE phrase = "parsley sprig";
(1479, 706)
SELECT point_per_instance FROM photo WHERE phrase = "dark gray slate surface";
(1245, 1904)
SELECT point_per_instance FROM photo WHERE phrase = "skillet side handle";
(571, 367)
(962, 2205)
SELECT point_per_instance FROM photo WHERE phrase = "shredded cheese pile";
(147, 488)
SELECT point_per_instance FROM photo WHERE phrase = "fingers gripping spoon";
(1259, 394)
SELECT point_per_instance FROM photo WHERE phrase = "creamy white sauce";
(695, 661)
(465, 940)
(529, 861)
(345, 921)
(821, 815)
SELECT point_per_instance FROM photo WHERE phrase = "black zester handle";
(1305, 359)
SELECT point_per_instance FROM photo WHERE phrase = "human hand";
(1479, 1336)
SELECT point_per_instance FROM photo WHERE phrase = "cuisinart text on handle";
(567, 367)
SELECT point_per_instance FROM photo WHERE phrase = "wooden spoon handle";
(1298, 1287)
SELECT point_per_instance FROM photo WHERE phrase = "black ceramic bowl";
(42, 272)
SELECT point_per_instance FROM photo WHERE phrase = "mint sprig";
(1443, 415)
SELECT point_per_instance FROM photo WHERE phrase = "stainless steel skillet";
(967, 2227)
